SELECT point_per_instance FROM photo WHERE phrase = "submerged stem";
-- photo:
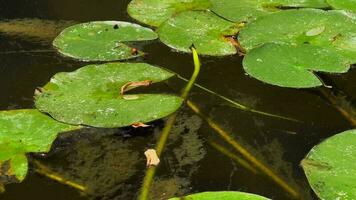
(43, 170)
(245, 153)
(239, 105)
(150, 173)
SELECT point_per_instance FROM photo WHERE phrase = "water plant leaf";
(91, 96)
(330, 29)
(25, 131)
(293, 66)
(343, 5)
(155, 12)
(223, 195)
(248, 10)
(102, 40)
(331, 167)
(208, 32)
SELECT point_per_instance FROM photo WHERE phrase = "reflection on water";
(110, 163)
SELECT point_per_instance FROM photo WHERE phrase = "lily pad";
(331, 167)
(91, 96)
(248, 10)
(102, 40)
(224, 195)
(293, 66)
(155, 12)
(25, 131)
(208, 32)
(343, 5)
(330, 29)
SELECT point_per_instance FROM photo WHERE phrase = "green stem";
(239, 105)
(150, 173)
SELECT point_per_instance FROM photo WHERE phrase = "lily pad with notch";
(331, 167)
(248, 10)
(25, 131)
(293, 66)
(223, 195)
(102, 40)
(93, 96)
(210, 34)
(329, 29)
(155, 12)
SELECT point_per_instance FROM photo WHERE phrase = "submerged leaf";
(331, 167)
(155, 12)
(224, 195)
(203, 29)
(248, 10)
(25, 131)
(293, 66)
(102, 40)
(91, 96)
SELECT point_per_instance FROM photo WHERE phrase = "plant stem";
(334, 101)
(43, 170)
(150, 173)
(239, 105)
(245, 153)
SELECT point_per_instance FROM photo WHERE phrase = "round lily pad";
(293, 66)
(330, 29)
(91, 96)
(102, 40)
(343, 5)
(331, 167)
(25, 131)
(223, 195)
(248, 10)
(155, 12)
(210, 34)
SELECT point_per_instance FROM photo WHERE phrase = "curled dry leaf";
(131, 85)
(152, 157)
(139, 125)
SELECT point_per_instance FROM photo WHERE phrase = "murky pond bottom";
(109, 163)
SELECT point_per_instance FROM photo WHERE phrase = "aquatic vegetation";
(25, 131)
(38, 30)
(105, 39)
(208, 32)
(331, 167)
(222, 195)
(91, 96)
(279, 43)
(293, 66)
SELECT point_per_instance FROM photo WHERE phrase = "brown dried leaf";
(131, 85)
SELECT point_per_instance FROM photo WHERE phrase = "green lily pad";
(224, 195)
(203, 29)
(25, 131)
(155, 12)
(330, 29)
(247, 10)
(293, 66)
(91, 96)
(343, 4)
(102, 40)
(331, 167)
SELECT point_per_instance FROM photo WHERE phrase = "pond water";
(110, 163)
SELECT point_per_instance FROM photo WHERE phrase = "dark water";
(110, 163)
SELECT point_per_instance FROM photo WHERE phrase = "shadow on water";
(110, 163)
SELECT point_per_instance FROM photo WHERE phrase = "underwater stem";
(244, 152)
(43, 170)
(150, 173)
